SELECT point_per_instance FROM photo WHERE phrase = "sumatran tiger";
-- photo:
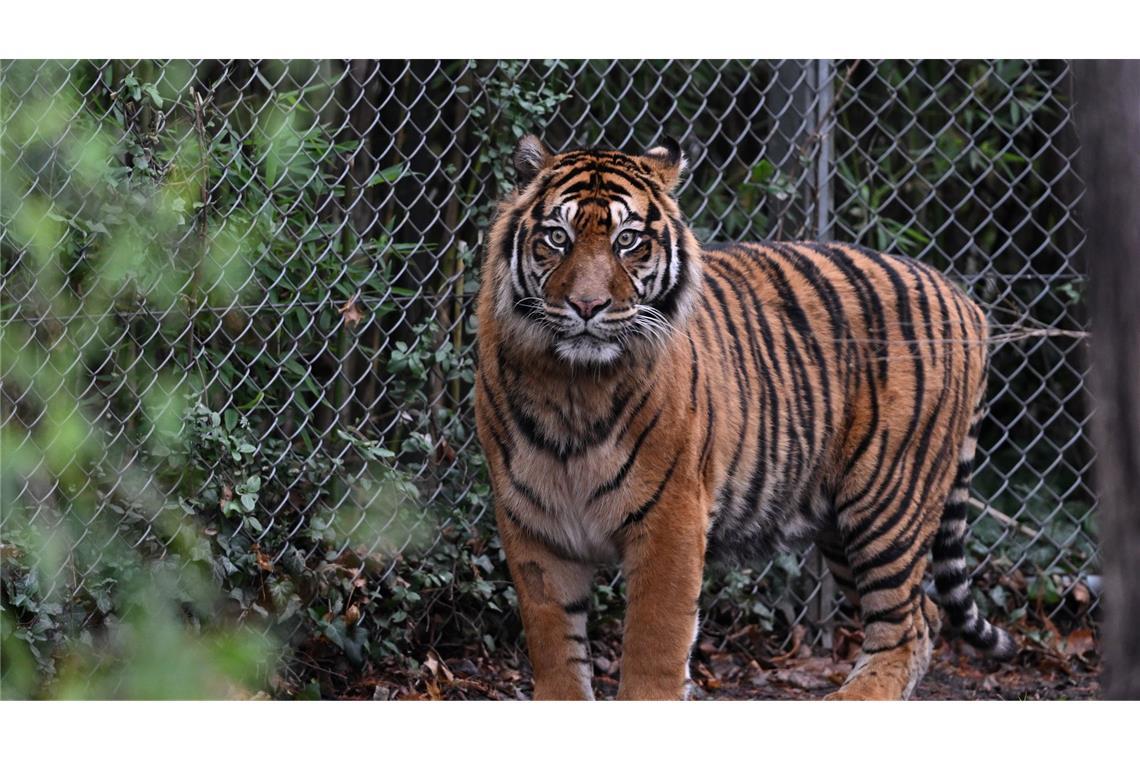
(645, 400)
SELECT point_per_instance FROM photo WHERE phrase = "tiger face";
(595, 261)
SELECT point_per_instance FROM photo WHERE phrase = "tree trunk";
(1108, 112)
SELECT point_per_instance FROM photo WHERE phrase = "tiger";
(647, 401)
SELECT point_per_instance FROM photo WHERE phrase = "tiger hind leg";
(886, 558)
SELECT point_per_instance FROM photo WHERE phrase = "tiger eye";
(625, 239)
(558, 237)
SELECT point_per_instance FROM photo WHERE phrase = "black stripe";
(870, 304)
(633, 415)
(741, 383)
(888, 647)
(579, 607)
(639, 514)
(710, 419)
(623, 471)
(694, 371)
(595, 434)
(553, 546)
(668, 302)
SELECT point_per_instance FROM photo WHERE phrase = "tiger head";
(589, 257)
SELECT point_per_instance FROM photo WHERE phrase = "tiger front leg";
(663, 564)
(554, 595)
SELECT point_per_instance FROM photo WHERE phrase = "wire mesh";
(305, 239)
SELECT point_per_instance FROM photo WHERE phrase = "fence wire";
(242, 290)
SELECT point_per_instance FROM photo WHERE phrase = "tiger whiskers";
(653, 325)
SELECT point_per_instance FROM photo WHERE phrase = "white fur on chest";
(583, 527)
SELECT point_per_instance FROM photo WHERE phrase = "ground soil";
(1050, 666)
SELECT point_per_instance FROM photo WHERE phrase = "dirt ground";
(1050, 666)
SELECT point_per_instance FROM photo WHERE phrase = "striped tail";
(950, 577)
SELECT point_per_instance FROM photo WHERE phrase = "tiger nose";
(588, 307)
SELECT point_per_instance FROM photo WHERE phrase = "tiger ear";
(530, 157)
(668, 161)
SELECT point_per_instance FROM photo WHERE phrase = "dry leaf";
(444, 454)
(10, 552)
(263, 560)
(723, 666)
(847, 643)
(434, 664)
(799, 634)
(1080, 641)
(350, 313)
(758, 677)
(800, 679)
(433, 691)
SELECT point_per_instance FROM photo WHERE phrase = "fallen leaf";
(1080, 641)
(434, 664)
(799, 634)
(723, 666)
(433, 691)
(799, 679)
(758, 678)
(707, 645)
(847, 643)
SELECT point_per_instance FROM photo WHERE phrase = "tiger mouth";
(585, 348)
(586, 339)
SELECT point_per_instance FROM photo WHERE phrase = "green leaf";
(155, 98)
(387, 176)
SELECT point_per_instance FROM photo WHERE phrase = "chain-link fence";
(240, 292)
